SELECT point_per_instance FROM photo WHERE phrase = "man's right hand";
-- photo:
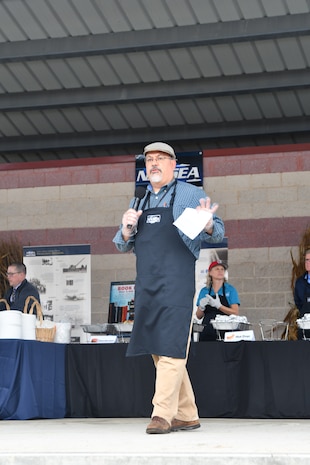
(129, 223)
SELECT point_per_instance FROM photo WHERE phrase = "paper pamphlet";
(192, 221)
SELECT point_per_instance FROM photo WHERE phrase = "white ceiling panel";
(113, 15)
(83, 72)
(229, 64)
(165, 65)
(8, 82)
(269, 106)
(247, 57)
(250, 9)
(40, 122)
(229, 109)
(248, 107)
(7, 129)
(152, 115)
(227, 11)
(26, 78)
(143, 67)
(137, 16)
(304, 101)
(291, 53)
(76, 119)
(90, 16)
(114, 117)
(58, 121)
(269, 54)
(26, 21)
(170, 113)
(69, 17)
(297, 6)
(44, 75)
(289, 104)
(63, 71)
(132, 116)
(206, 61)
(209, 110)
(123, 68)
(181, 12)
(46, 16)
(305, 49)
(95, 118)
(185, 63)
(274, 8)
(24, 126)
(103, 70)
(9, 28)
(190, 111)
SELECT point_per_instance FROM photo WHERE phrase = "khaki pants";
(174, 396)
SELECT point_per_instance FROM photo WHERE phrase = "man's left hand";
(205, 204)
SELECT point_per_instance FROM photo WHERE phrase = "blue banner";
(189, 169)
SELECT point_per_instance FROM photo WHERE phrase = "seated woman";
(218, 297)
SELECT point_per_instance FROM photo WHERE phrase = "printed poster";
(62, 275)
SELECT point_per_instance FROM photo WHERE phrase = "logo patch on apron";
(152, 219)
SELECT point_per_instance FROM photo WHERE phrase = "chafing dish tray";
(198, 328)
(108, 328)
(232, 323)
(304, 322)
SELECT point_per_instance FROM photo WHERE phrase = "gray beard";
(155, 177)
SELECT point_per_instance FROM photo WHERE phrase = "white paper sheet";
(192, 221)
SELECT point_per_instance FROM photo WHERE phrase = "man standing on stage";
(165, 284)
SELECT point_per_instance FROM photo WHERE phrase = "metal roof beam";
(157, 39)
(172, 90)
(120, 138)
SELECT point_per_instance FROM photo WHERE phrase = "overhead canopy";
(93, 78)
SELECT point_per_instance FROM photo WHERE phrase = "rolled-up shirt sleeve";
(218, 232)
(121, 244)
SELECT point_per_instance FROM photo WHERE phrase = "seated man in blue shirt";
(19, 289)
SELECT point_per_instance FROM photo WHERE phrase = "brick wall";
(263, 196)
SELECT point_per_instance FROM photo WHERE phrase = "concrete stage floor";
(107, 441)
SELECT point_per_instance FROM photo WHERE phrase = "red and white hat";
(216, 263)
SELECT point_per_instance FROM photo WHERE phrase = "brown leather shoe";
(158, 425)
(179, 425)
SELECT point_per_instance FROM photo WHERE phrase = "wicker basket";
(6, 304)
(43, 333)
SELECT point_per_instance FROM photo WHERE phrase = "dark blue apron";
(165, 286)
(209, 333)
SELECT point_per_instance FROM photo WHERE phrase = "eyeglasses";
(160, 158)
(11, 274)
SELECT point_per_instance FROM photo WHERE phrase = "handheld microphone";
(139, 194)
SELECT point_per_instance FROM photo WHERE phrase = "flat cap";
(160, 147)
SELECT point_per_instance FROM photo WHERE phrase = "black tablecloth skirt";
(263, 379)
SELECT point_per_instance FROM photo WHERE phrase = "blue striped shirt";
(187, 196)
